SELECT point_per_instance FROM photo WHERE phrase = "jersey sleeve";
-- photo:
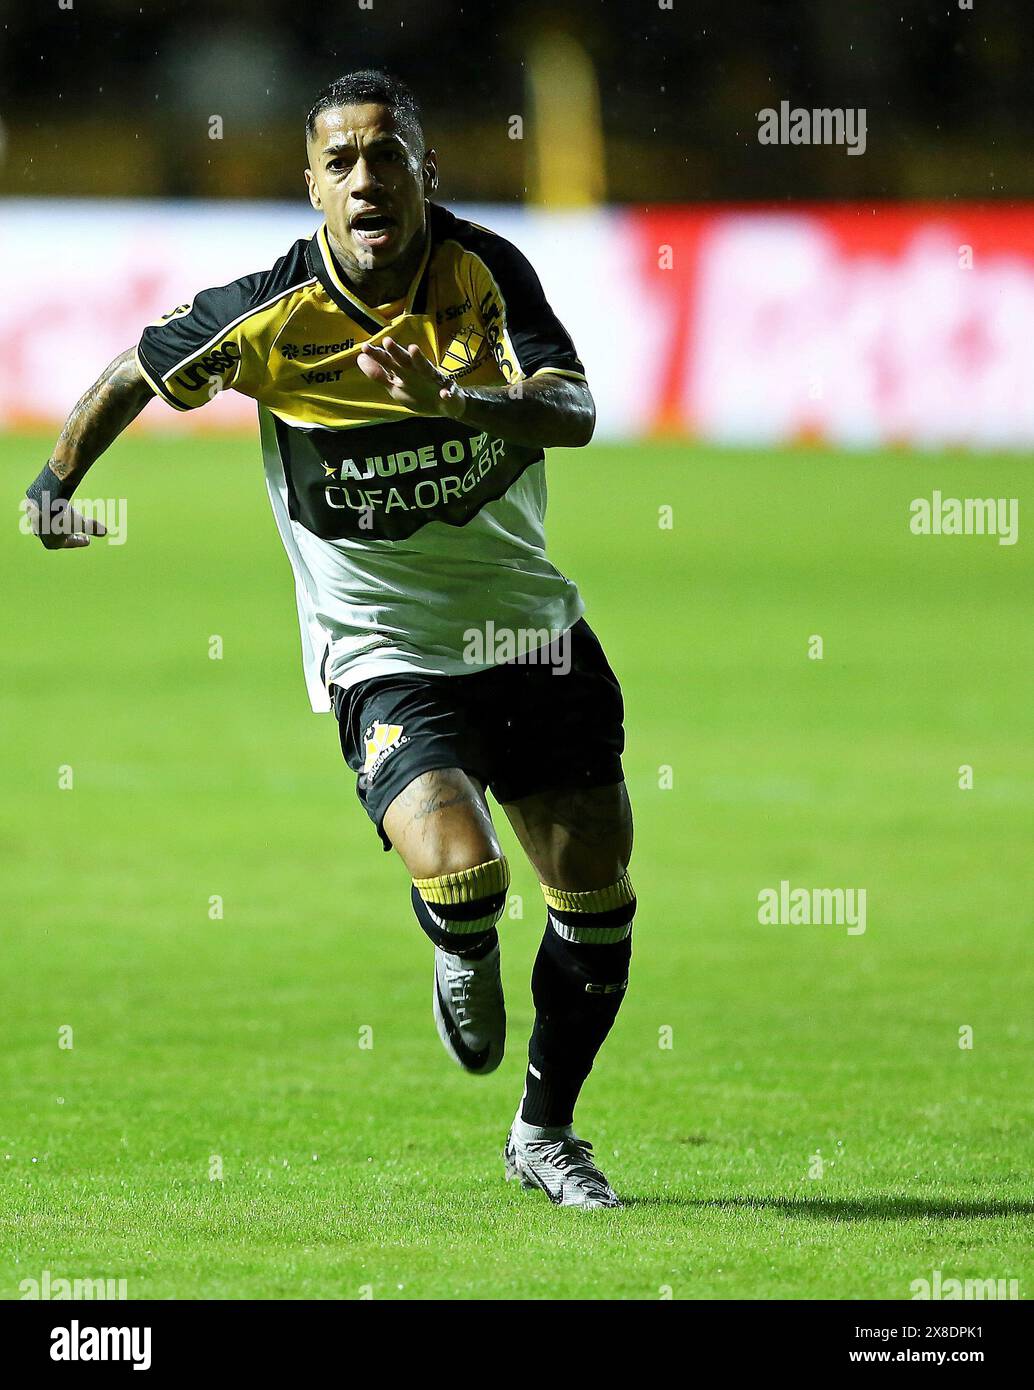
(525, 334)
(195, 352)
(217, 341)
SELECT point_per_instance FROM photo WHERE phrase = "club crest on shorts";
(380, 740)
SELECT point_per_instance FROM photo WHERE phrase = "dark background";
(113, 97)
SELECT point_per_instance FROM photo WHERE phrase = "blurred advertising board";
(852, 324)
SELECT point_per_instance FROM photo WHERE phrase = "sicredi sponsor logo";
(295, 350)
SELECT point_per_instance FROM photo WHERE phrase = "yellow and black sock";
(459, 911)
(578, 983)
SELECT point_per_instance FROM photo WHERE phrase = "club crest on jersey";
(380, 740)
(464, 352)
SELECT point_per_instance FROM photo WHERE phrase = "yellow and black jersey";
(404, 531)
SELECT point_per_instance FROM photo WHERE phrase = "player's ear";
(430, 172)
(314, 193)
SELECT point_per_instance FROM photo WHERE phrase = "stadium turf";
(205, 1044)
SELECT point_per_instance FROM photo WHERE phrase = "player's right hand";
(63, 528)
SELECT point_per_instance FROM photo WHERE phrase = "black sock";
(459, 910)
(577, 989)
(471, 945)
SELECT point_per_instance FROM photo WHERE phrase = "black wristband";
(48, 485)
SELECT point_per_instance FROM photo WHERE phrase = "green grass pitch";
(349, 1171)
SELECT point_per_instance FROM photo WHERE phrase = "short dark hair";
(370, 85)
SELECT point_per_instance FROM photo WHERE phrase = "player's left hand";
(410, 378)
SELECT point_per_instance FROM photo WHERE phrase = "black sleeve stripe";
(229, 327)
(167, 348)
(155, 382)
(538, 337)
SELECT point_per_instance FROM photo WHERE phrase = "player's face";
(370, 182)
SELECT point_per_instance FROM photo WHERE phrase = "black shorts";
(519, 728)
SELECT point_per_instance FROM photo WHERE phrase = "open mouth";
(373, 229)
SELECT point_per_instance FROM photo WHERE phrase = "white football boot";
(558, 1164)
(469, 1010)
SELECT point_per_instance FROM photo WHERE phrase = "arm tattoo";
(544, 410)
(114, 400)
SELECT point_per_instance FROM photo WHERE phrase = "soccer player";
(409, 373)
